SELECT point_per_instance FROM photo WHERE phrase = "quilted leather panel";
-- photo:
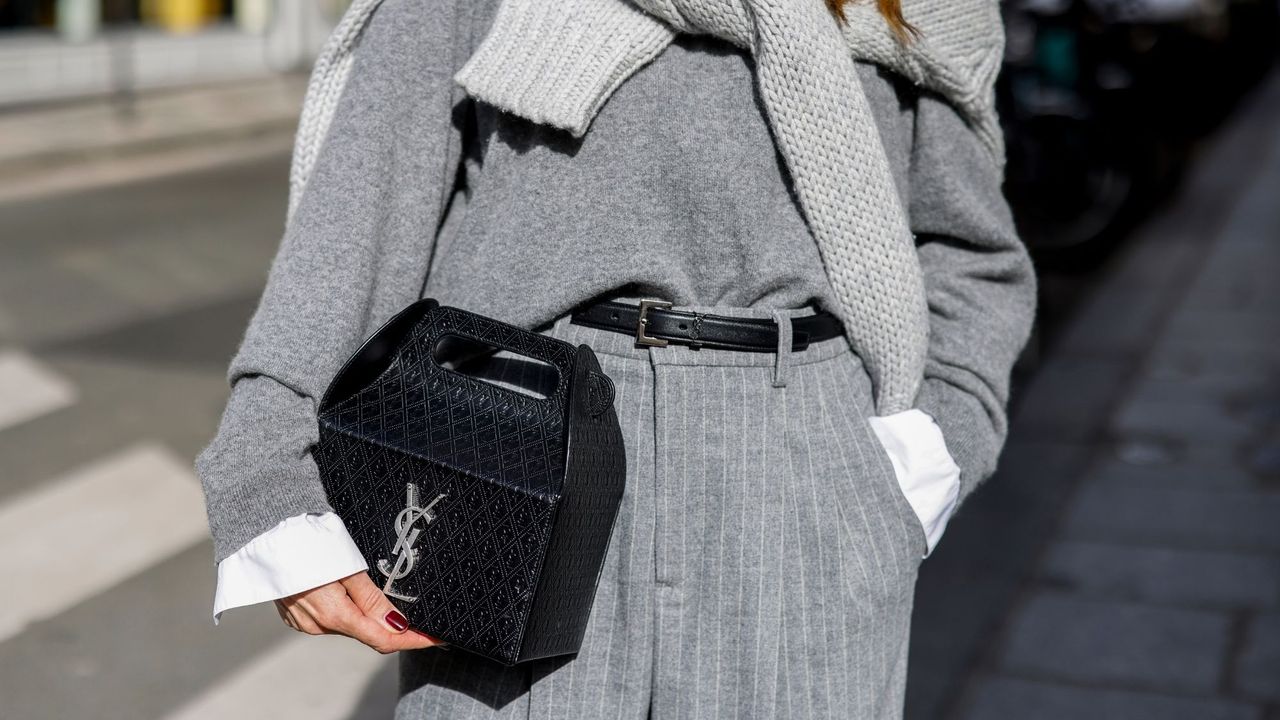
(476, 564)
(504, 563)
(419, 407)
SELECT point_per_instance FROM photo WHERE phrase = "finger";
(371, 632)
(374, 603)
(415, 641)
(380, 612)
(332, 608)
(336, 612)
(284, 614)
(302, 622)
(322, 610)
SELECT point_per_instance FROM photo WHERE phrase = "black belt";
(655, 324)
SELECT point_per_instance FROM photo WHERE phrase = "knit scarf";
(557, 62)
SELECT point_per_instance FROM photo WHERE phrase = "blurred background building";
(1103, 101)
(1123, 563)
(56, 49)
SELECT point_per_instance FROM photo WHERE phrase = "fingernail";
(397, 621)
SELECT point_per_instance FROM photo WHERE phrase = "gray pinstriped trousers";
(762, 564)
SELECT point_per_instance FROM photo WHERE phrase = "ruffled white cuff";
(927, 474)
(299, 553)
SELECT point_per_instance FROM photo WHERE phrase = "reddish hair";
(892, 12)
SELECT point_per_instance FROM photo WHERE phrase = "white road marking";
(28, 389)
(75, 536)
(305, 677)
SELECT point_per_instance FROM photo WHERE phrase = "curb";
(95, 142)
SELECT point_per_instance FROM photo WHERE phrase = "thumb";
(373, 603)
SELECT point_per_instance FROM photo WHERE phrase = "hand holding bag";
(484, 512)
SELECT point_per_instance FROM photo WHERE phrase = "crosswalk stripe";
(78, 535)
(306, 677)
(28, 389)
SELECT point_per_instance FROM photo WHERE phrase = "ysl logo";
(406, 536)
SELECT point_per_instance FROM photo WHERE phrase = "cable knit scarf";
(558, 61)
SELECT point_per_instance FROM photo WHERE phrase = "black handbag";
(484, 511)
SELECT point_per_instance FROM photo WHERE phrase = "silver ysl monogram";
(406, 536)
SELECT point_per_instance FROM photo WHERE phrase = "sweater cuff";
(239, 513)
(258, 469)
(600, 45)
(972, 439)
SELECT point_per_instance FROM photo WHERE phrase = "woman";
(823, 181)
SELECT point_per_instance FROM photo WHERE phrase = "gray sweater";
(676, 191)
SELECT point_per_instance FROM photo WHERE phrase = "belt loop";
(783, 354)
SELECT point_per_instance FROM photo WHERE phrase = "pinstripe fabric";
(762, 564)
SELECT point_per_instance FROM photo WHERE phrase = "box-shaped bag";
(484, 511)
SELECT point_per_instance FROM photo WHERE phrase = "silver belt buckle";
(643, 321)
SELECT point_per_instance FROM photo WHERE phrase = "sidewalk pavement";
(103, 141)
(1141, 487)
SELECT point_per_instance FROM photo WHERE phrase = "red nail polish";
(397, 621)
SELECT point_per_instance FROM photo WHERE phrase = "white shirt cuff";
(927, 474)
(299, 553)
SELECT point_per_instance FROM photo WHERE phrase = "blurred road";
(1124, 563)
(73, 146)
(119, 309)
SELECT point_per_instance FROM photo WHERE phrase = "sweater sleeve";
(980, 285)
(355, 250)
